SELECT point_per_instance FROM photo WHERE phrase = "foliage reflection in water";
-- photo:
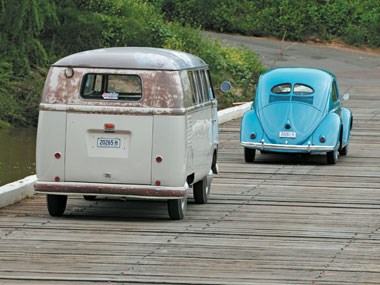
(17, 154)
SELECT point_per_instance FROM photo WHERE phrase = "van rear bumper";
(100, 189)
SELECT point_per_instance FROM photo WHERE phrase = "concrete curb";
(13, 192)
(233, 112)
(16, 191)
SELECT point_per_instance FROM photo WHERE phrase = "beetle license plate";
(109, 142)
(291, 135)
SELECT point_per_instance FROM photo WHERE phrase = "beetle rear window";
(300, 92)
(283, 88)
(301, 89)
(111, 87)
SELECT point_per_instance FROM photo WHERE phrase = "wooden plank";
(282, 220)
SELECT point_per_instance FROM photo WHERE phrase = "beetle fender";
(250, 124)
(330, 129)
(347, 126)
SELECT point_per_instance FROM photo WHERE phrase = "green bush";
(354, 21)
(49, 30)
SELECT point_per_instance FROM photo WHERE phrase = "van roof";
(133, 58)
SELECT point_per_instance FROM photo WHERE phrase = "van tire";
(214, 165)
(56, 204)
(201, 191)
(177, 208)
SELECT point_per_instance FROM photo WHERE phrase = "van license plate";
(109, 142)
(291, 135)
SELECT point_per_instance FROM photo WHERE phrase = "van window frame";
(134, 96)
(201, 86)
(205, 89)
(209, 83)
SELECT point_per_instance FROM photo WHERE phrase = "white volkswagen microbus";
(128, 122)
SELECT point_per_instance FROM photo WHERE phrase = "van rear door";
(107, 141)
(107, 148)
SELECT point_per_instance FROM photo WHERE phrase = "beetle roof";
(320, 80)
(133, 58)
(298, 74)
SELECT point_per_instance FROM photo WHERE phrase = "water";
(17, 154)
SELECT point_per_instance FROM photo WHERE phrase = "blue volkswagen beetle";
(297, 110)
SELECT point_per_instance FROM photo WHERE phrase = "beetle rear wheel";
(332, 156)
(249, 154)
(56, 204)
(344, 151)
(177, 208)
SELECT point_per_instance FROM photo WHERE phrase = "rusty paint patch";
(161, 89)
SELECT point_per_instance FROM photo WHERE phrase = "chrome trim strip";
(268, 146)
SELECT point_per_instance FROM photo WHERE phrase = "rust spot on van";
(161, 89)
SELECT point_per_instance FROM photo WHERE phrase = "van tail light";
(109, 127)
(57, 179)
(253, 136)
(322, 139)
(157, 183)
(159, 159)
(57, 155)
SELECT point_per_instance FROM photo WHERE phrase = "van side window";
(198, 85)
(111, 87)
(207, 92)
(209, 84)
(194, 90)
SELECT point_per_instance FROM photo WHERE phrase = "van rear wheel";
(56, 204)
(177, 208)
(201, 190)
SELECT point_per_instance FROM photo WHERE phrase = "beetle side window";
(111, 87)
(334, 92)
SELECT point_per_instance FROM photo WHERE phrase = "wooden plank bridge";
(281, 220)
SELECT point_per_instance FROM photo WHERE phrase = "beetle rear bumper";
(288, 147)
(123, 190)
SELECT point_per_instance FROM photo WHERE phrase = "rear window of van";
(111, 87)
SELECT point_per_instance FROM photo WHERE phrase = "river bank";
(17, 155)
